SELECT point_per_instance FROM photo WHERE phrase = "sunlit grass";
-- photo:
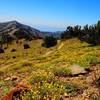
(42, 67)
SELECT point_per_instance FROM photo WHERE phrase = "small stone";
(80, 75)
(65, 95)
(7, 79)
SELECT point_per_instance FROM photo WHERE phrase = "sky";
(50, 15)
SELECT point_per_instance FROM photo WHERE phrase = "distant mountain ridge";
(12, 27)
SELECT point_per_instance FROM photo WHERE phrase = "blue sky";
(50, 15)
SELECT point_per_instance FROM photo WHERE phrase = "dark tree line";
(90, 34)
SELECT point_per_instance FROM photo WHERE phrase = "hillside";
(68, 71)
(15, 30)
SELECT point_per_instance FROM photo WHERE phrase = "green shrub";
(49, 41)
(26, 46)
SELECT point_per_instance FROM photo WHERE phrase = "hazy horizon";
(50, 15)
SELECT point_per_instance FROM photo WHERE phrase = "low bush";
(1, 50)
(49, 41)
(14, 57)
(13, 50)
(26, 46)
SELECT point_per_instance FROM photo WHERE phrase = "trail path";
(49, 52)
(62, 44)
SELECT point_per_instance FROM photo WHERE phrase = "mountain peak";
(12, 27)
(15, 22)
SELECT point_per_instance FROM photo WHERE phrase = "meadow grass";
(40, 68)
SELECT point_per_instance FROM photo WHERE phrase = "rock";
(7, 79)
(66, 95)
(80, 75)
(77, 70)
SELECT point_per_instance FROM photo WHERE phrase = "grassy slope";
(38, 61)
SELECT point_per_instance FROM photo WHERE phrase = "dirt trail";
(49, 52)
(62, 44)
